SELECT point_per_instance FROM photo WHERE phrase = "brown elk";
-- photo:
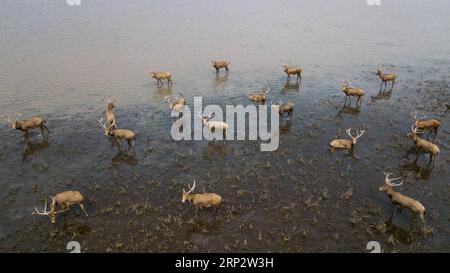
(286, 107)
(160, 76)
(426, 124)
(292, 70)
(64, 200)
(110, 105)
(401, 200)
(386, 77)
(259, 97)
(347, 143)
(201, 200)
(351, 92)
(422, 144)
(176, 103)
(119, 134)
(220, 64)
(27, 124)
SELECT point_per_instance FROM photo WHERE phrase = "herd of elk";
(65, 199)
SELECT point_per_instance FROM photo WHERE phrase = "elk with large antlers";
(431, 125)
(386, 77)
(160, 76)
(346, 143)
(351, 92)
(259, 97)
(284, 107)
(401, 200)
(214, 125)
(422, 144)
(26, 124)
(119, 134)
(292, 70)
(201, 200)
(110, 105)
(64, 200)
(176, 104)
(220, 64)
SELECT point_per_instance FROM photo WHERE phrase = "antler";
(415, 129)
(388, 180)
(358, 135)
(44, 212)
(104, 124)
(267, 90)
(191, 189)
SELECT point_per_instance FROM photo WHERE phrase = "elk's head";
(51, 213)
(414, 116)
(414, 131)
(358, 135)
(14, 124)
(213, 62)
(344, 85)
(187, 193)
(388, 182)
(108, 129)
(110, 102)
(206, 119)
(152, 73)
(379, 71)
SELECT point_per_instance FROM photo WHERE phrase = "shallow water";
(58, 61)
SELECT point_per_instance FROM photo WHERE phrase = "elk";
(64, 200)
(401, 200)
(160, 76)
(119, 134)
(386, 77)
(259, 97)
(287, 107)
(351, 92)
(176, 103)
(216, 125)
(422, 144)
(110, 105)
(220, 64)
(346, 143)
(201, 200)
(426, 124)
(292, 70)
(26, 124)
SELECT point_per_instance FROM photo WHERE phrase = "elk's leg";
(226, 68)
(217, 70)
(83, 209)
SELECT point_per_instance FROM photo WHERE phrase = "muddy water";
(59, 61)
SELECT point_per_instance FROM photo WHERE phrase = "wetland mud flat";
(59, 61)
